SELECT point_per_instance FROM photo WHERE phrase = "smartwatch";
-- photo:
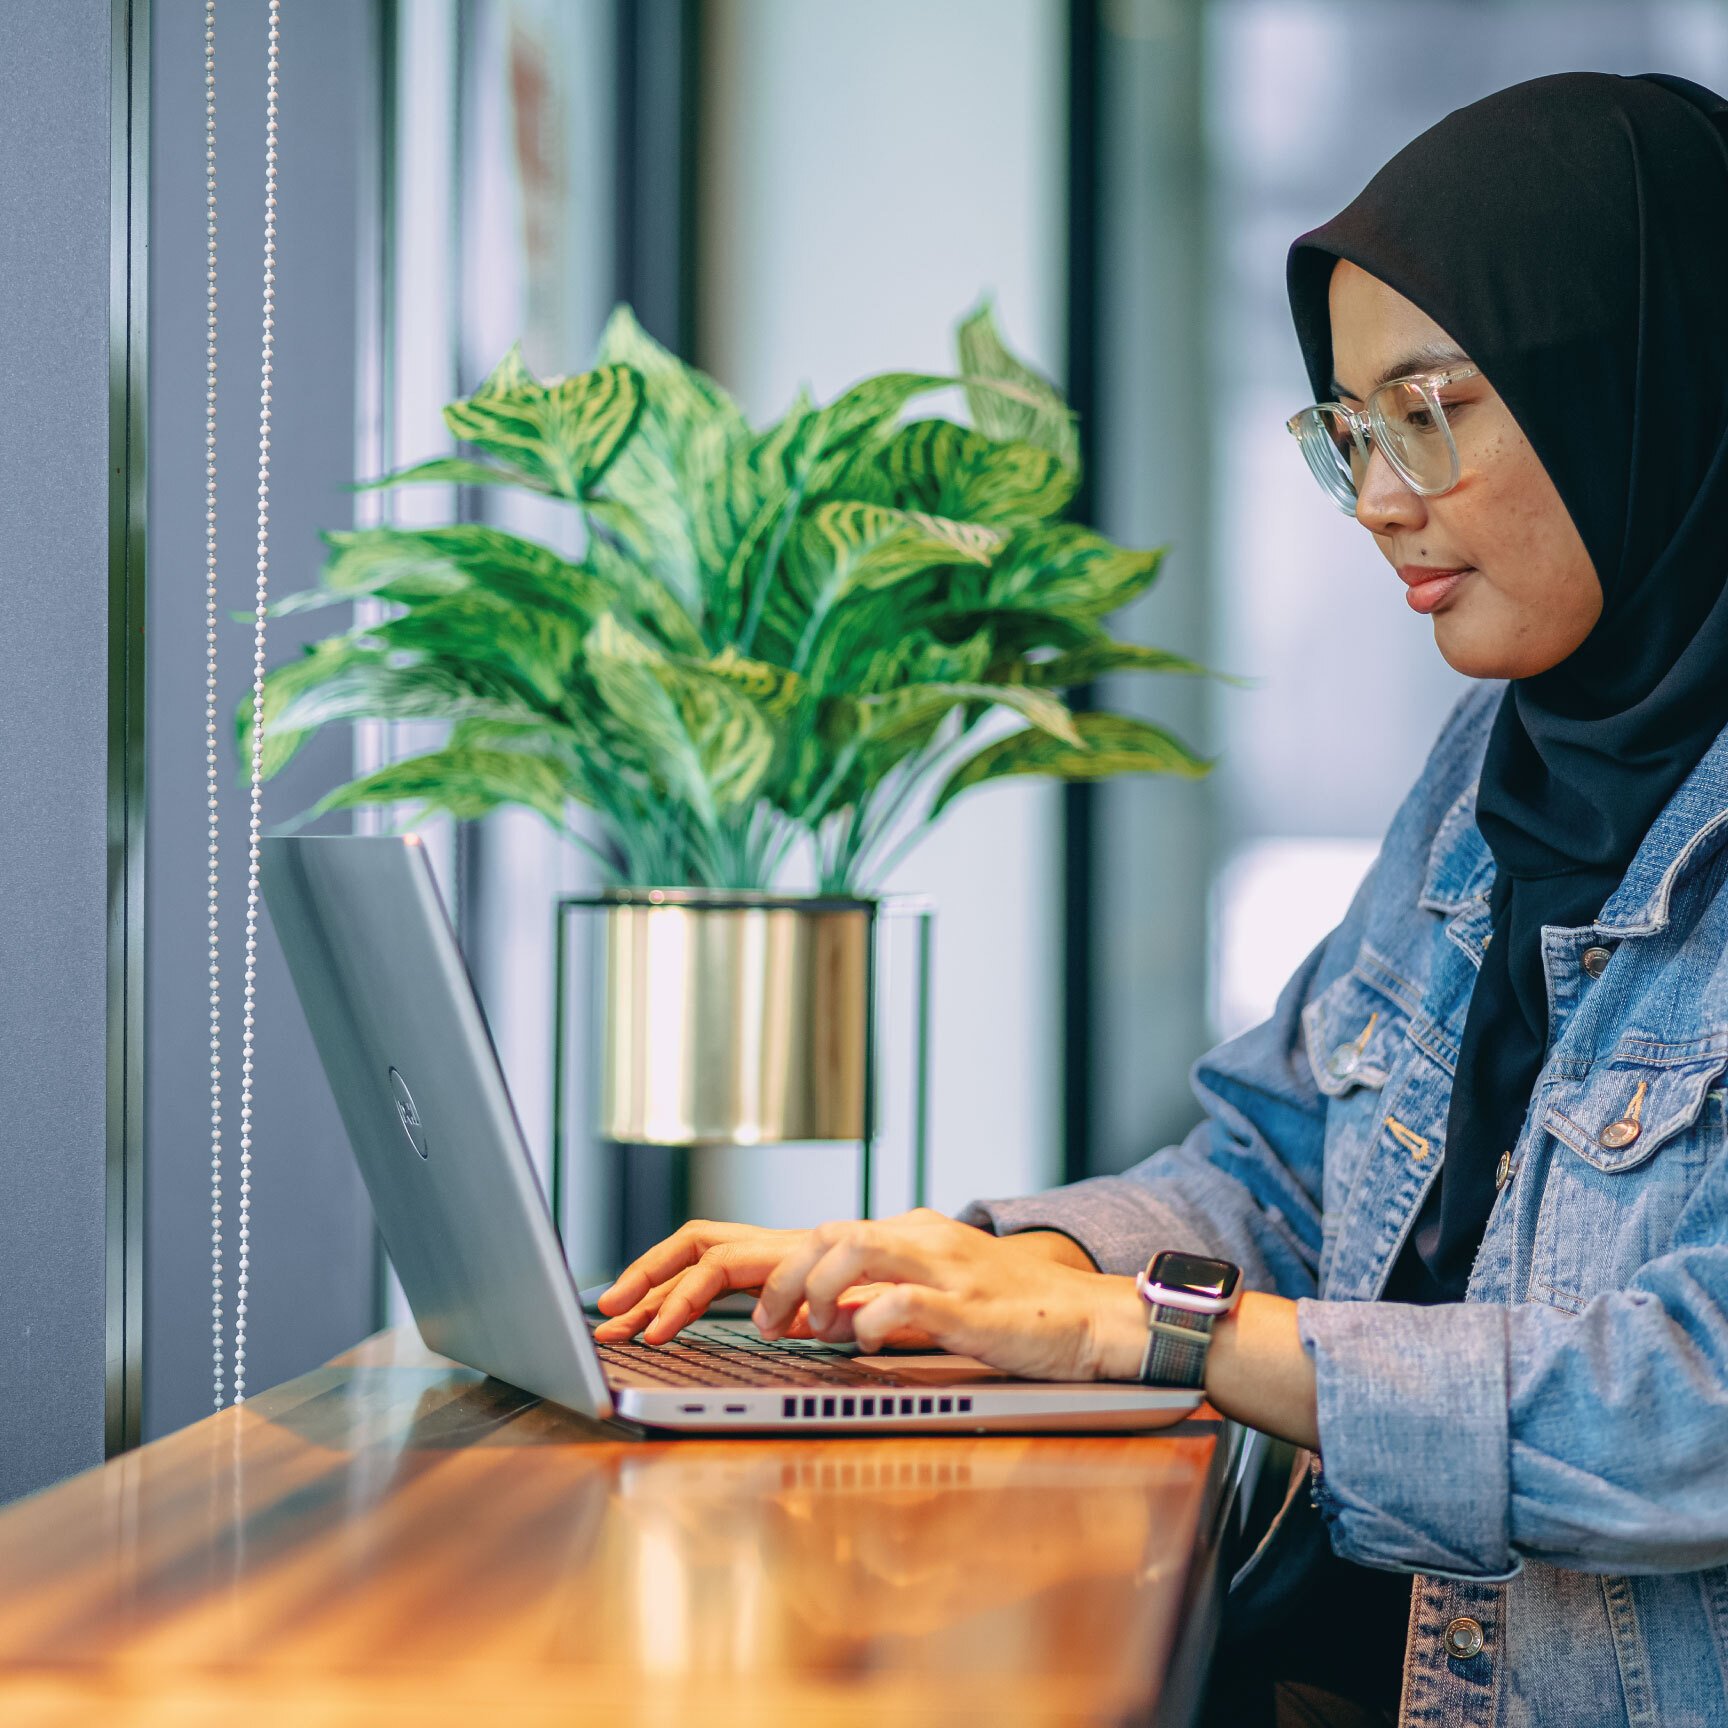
(1184, 1294)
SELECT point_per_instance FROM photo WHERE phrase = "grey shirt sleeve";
(1245, 1183)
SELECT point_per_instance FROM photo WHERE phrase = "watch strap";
(1177, 1340)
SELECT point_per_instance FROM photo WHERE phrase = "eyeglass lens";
(1405, 424)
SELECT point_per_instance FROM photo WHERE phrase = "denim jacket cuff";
(1118, 1223)
(1414, 1448)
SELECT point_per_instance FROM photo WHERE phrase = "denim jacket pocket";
(1354, 1033)
(1635, 1135)
(1357, 1037)
(1625, 1111)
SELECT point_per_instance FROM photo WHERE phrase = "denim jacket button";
(1463, 1639)
(1343, 1061)
(1596, 961)
(1502, 1171)
(1621, 1132)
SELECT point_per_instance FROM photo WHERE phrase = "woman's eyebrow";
(1426, 359)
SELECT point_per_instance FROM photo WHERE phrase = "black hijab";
(1571, 235)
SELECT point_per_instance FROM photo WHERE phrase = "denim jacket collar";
(1460, 866)
(1690, 826)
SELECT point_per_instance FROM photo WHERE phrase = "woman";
(1475, 1167)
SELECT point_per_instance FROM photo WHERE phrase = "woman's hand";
(968, 1292)
(1022, 1303)
(663, 1290)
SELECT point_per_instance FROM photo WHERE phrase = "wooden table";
(395, 1539)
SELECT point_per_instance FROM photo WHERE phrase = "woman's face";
(1527, 594)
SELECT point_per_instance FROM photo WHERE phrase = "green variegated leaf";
(772, 689)
(454, 471)
(508, 379)
(776, 458)
(638, 597)
(501, 651)
(573, 752)
(680, 451)
(1097, 659)
(885, 719)
(863, 740)
(636, 704)
(369, 689)
(839, 549)
(1062, 567)
(1008, 400)
(1010, 483)
(415, 565)
(856, 422)
(562, 435)
(463, 782)
(748, 512)
(1113, 744)
(733, 742)
(811, 448)
(950, 470)
(709, 745)
(918, 657)
(1019, 630)
(344, 680)
(680, 395)
(322, 663)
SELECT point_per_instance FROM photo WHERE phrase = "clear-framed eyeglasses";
(1404, 419)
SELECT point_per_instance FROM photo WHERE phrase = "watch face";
(1195, 1274)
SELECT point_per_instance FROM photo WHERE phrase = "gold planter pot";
(735, 1019)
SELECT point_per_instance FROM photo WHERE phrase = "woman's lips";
(1429, 586)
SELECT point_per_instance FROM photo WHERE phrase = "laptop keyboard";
(719, 1356)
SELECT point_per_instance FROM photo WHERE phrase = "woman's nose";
(1384, 502)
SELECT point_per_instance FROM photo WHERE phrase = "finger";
(682, 1248)
(869, 1253)
(849, 1251)
(783, 1289)
(731, 1266)
(839, 1328)
(905, 1338)
(908, 1309)
(629, 1323)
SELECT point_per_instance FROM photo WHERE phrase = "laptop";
(406, 1047)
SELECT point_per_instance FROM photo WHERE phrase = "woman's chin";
(1474, 658)
(1475, 647)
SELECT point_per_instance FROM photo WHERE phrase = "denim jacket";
(1550, 1456)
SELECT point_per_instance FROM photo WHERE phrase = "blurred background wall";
(801, 191)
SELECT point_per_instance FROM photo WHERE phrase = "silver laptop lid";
(410, 1060)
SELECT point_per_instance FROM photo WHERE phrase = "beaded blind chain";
(255, 826)
(214, 899)
(261, 601)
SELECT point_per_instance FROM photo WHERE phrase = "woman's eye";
(1421, 419)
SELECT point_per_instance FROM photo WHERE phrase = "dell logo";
(408, 1114)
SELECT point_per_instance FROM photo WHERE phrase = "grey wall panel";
(1156, 834)
(312, 1265)
(54, 279)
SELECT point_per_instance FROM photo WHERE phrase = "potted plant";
(778, 636)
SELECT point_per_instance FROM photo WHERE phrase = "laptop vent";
(822, 1407)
